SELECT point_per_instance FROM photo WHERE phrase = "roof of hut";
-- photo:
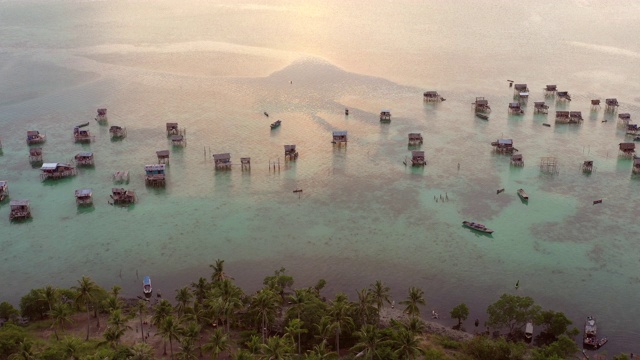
(430, 93)
(505, 141)
(627, 146)
(162, 153)
(551, 87)
(224, 156)
(32, 132)
(595, 102)
(154, 167)
(516, 157)
(624, 116)
(339, 133)
(520, 87)
(35, 151)
(85, 154)
(21, 202)
(84, 192)
(417, 153)
(289, 147)
(176, 137)
(514, 105)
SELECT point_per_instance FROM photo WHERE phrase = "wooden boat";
(545, 124)
(146, 286)
(482, 116)
(83, 125)
(528, 331)
(523, 195)
(589, 339)
(276, 124)
(477, 226)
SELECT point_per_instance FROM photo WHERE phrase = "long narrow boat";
(523, 195)
(276, 124)
(589, 339)
(146, 286)
(477, 226)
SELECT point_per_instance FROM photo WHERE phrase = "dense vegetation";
(213, 318)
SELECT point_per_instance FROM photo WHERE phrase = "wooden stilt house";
(515, 108)
(84, 158)
(163, 156)
(56, 171)
(415, 139)
(84, 196)
(121, 177)
(122, 196)
(517, 160)
(587, 166)
(82, 135)
(339, 138)
(636, 165)
(245, 163)
(417, 158)
(118, 132)
(4, 190)
(624, 117)
(481, 105)
(595, 104)
(563, 96)
(35, 155)
(34, 137)
(550, 90)
(290, 152)
(575, 117)
(611, 104)
(632, 129)
(504, 146)
(385, 116)
(518, 88)
(540, 107)
(627, 149)
(562, 117)
(432, 96)
(178, 140)
(19, 210)
(102, 116)
(172, 129)
(155, 175)
(222, 161)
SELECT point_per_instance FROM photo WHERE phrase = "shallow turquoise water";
(363, 215)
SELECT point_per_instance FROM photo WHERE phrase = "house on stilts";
(517, 160)
(173, 129)
(587, 166)
(82, 135)
(84, 158)
(539, 107)
(563, 96)
(4, 190)
(56, 171)
(19, 210)
(163, 156)
(550, 90)
(245, 163)
(120, 196)
(611, 104)
(627, 149)
(34, 137)
(432, 96)
(624, 118)
(290, 152)
(417, 158)
(84, 197)
(222, 161)
(35, 155)
(118, 132)
(178, 140)
(595, 104)
(339, 138)
(636, 165)
(504, 146)
(415, 139)
(515, 108)
(101, 118)
(562, 117)
(385, 116)
(155, 175)
(481, 105)
(575, 117)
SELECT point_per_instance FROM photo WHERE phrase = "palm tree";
(85, 295)
(369, 339)
(230, 296)
(119, 323)
(218, 271)
(276, 348)
(365, 307)
(323, 329)
(414, 300)
(25, 351)
(254, 344)
(183, 297)
(140, 351)
(187, 351)
(414, 325)
(61, 315)
(218, 343)
(200, 289)
(141, 308)
(115, 290)
(295, 328)
(50, 296)
(264, 306)
(243, 355)
(112, 336)
(162, 311)
(406, 345)
(321, 352)
(191, 334)
(170, 330)
(297, 302)
(339, 314)
(380, 294)
(111, 303)
(71, 347)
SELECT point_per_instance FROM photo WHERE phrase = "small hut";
(415, 139)
(611, 104)
(587, 166)
(20, 210)
(595, 104)
(172, 129)
(550, 90)
(540, 107)
(385, 116)
(627, 149)
(121, 177)
(432, 96)
(519, 88)
(549, 165)
(4, 190)
(481, 104)
(575, 117)
(222, 161)
(84, 196)
(517, 160)
(562, 117)
(636, 165)
(81, 135)
(504, 146)
(339, 138)
(122, 196)
(290, 152)
(102, 115)
(515, 108)
(564, 96)
(84, 159)
(417, 158)
(35, 155)
(34, 137)
(632, 129)
(155, 175)
(163, 156)
(56, 171)
(624, 117)
(245, 162)
(178, 140)
(118, 132)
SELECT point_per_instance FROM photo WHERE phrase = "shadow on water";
(523, 201)
(117, 139)
(56, 182)
(85, 209)
(22, 221)
(624, 163)
(36, 164)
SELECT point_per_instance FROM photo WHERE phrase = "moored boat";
(528, 331)
(146, 286)
(477, 226)
(523, 195)
(589, 339)
(276, 124)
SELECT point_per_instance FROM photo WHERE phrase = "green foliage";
(448, 343)
(10, 338)
(483, 348)
(32, 306)
(279, 282)
(413, 302)
(434, 354)
(561, 348)
(7, 311)
(512, 311)
(620, 357)
(460, 312)
(555, 323)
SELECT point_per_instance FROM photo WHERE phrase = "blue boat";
(146, 286)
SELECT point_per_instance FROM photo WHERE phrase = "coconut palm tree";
(200, 289)
(71, 347)
(380, 294)
(406, 345)
(369, 340)
(414, 325)
(183, 297)
(322, 352)
(61, 316)
(50, 296)
(187, 351)
(218, 271)
(217, 344)
(243, 355)
(118, 322)
(86, 290)
(365, 307)
(324, 329)
(162, 310)
(294, 329)
(115, 291)
(191, 334)
(413, 302)
(297, 302)
(111, 303)
(25, 351)
(230, 296)
(141, 309)
(170, 330)
(340, 317)
(112, 336)
(254, 344)
(264, 306)
(140, 351)
(276, 348)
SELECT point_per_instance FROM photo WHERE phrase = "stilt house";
(562, 117)
(385, 116)
(517, 160)
(540, 107)
(504, 146)
(4, 190)
(564, 96)
(290, 152)
(415, 139)
(587, 166)
(627, 149)
(340, 137)
(118, 131)
(632, 129)
(84, 196)
(624, 117)
(550, 90)
(102, 115)
(245, 162)
(611, 104)
(222, 161)
(20, 210)
(34, 137)
(432, 96)
(163, 156)
(417, 158)
(35, 155)
(84, 158)
(595, 104)
(56, 171)
(122, 196)
(515, 108)
(518, 88)
(172, 129)
(178, 140)
(81, 135)
(155, 175)
(481, 104)
(575, 117)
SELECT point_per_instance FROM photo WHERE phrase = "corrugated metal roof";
(49, 166)
(84, 192)
(339, 133)
(154, 167)
(85, 154)
(505, 141)
(22, 202)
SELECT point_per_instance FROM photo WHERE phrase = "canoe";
(523, 195)
(477, 226)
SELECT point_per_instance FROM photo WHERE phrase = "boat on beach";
(146, 286)
(477, 226)
(523, 195)
(482, 116)
(275, 124)
(528, 331)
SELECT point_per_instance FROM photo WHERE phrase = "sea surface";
(215, 67)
